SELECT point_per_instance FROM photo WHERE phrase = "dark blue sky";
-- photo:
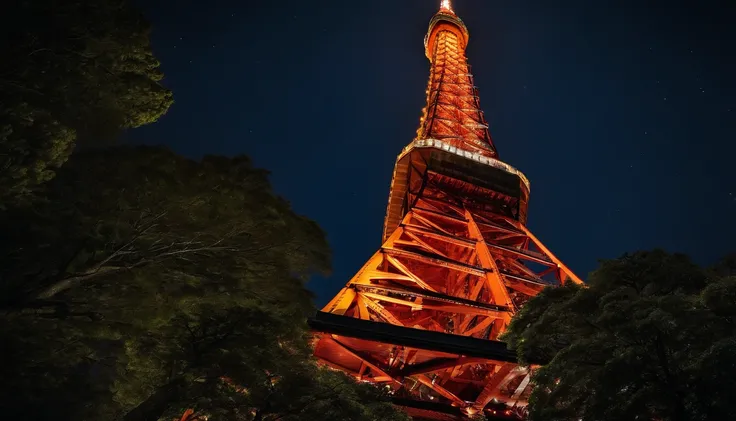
(621, 113)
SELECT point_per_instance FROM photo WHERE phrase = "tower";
(423, 316)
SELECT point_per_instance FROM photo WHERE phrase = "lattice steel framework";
(423, 316)
(453, 112)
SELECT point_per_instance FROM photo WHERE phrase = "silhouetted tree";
(71, 71)
(650, 337)
(137, 283)
(147, 283)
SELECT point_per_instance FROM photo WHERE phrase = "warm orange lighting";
(188, 415)
(453, 111)
(456, 263)
(457, 258)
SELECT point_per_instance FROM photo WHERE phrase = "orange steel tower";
(422, 317)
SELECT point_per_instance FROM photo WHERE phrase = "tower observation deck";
(423, 316)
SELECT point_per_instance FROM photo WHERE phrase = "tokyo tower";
(423, 316)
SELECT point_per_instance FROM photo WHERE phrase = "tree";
(726, 266)
(714, 370)
(130, 239)
(75, 71)
(167, 284)
(282, 384)
(120, 211)
(648, 338)
(241, 365)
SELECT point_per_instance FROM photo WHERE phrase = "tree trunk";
(67, 283)
(153, 408)
(678, 400)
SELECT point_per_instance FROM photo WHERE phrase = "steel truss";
(453, 110)
(456, 263)
(452, 268)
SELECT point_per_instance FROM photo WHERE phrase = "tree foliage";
(72, 71)
(651, 337)
(124, 211)
(146, 283)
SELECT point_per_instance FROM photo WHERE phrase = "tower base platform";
(417, 367)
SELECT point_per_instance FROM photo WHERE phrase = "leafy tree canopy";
(72, 71)
(651, 337)
(146, 283)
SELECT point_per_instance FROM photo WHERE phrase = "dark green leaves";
(641, 341)
(157, 277)
(72, 72)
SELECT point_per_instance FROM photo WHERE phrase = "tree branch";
(72, 281)
(100, 269)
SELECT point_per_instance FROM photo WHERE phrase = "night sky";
(621, 113)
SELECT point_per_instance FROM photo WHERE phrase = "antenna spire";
(446, 4)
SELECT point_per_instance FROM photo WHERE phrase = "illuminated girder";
(453, 112)
(423, 316)
(452, 267)
(446, 257)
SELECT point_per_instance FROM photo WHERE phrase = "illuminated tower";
(422, 317)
